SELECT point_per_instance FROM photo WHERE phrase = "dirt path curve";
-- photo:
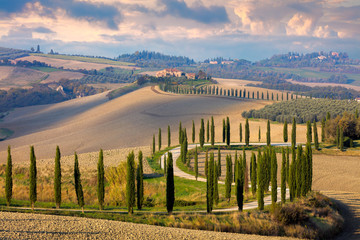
(179, 173)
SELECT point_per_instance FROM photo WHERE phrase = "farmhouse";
(170, 72)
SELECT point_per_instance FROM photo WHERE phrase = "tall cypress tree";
(323, 130)
(196, 167)
(259, 134)
(212, 131)
(228, 177)
(227, 131)
(33, 178)
(206, 162)
(180, 133)
(285, 131)
(245, 172)
(210, 187)
(57, 178)
(130, 182)
(224, 131)
(8, 180)
(260, 181)
(78, 187)
(293, 133)
(298, 173)
(140, 181)
(308, 132)
(219, 162)
(207, 131)
(273, 178)
(169, 136)
(253, 175)
(239, 184)
(215, 184)
(268, 138)
(193, 131)
(247, 132)
(292, 174)
(240, 132)
(170, 187)
(337, 138)
(101, 180)
(202, 133)
(153, 144)
(316, 139)
(287, 165)
(283, 177)
(341, 144)
(159, 139)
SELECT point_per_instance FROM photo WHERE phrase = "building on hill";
(170, 72)
(191, 76)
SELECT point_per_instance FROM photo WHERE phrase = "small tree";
(240, 132)
(170, 187)
(293, 133)
(247, 132)
(169, 136)
(33, 178)
(77, 181)
(207, 131)
(323, 130)
(193, 131)
(8, 180)
(259, 134)
(268, 138)
(228, 177)
(227, 131)
(140, 181)
(316, 140)
(219, 163)
(130, 182)
(283, 177)
(196, 167)
(308, 132)
(57, 178)
(212, 131)
(101, 180)
(224, 131)
(285, 131)
(201, 134)
(180, 133)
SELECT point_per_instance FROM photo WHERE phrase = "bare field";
(58, 75)
(87, 124)
(18, 76)
(71, 64)
(312, 84)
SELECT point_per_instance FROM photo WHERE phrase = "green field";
(45, 69)
(84, 59)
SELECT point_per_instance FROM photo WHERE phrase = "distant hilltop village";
(173, 72)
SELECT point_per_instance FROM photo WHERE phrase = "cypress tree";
(202, 133)
(165, 165)
(267, 164)
(101, 180)
(253, 174)
(33, 178)
(239, 184)
(8, 178)
(235, 164)
(293, 133)
(245, 172)
(298, 173)
(153, 144)
(196, 167)
(207, 131)
(169, 136)
(130, 183)
(212, 131)
(247, 132)
(316, 140)
(260, 181)
(287, 165)
(323, 130)
(268, 139)
(57, 178)
(206, 162)
(328, 116)
(210, 187)
(78, 187)
(228, 177)
(273, 178)
(193, 131)
(341, 144)
(337, 136)
(180, 133)
(215, 184)
(308, 132)
(170, 187)
(292, 174)
(283, 176)
(285, 131)
(219, 163)
(159, 139)
(224, 130)
(259, 134)
(240, 132)
(227, 131)
(140, 181)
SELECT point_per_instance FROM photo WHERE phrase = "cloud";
(199, 13)
(43, 30)
(300, 25)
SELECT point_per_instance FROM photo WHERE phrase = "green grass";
(46, 69)
(84, 59)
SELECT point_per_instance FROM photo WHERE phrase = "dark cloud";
(199, 13)
(82, 10)
(43, 30)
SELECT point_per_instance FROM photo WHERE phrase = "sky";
(199, 29)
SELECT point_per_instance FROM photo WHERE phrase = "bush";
(290, 214)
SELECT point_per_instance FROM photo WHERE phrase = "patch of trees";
(345, 126)
(108, 75)
(303, 110)
(155, 59)
(10, 53)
